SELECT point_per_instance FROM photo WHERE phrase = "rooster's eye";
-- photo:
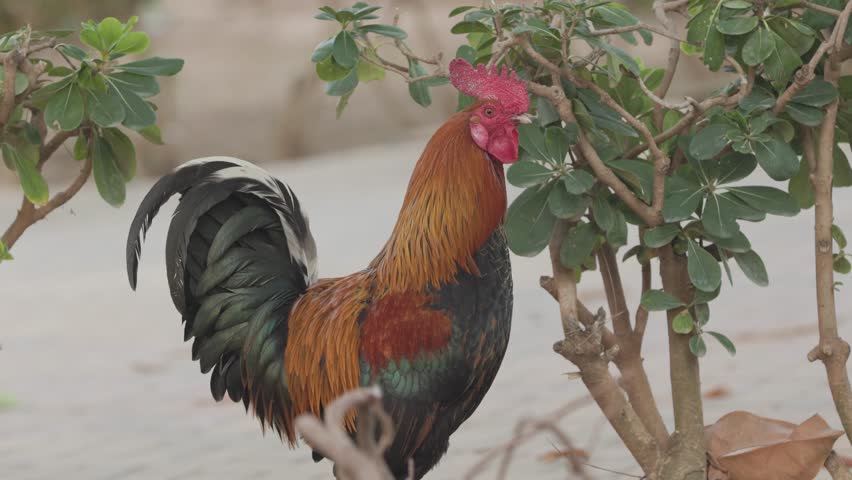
(489, 112)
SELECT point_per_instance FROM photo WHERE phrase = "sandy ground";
(104, 388)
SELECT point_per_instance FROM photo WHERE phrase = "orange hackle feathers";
(321, 359)
(455, 199)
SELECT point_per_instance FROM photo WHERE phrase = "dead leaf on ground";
(749, 447)
(717, 392)
(555, 455)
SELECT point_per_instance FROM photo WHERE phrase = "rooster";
(428, 320)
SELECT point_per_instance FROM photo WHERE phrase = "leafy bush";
(95, 95)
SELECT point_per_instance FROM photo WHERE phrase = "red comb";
(484, 83)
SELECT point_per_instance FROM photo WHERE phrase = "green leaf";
(759, 99)
(343, 86)
(152, 134)
(105, 108)
(709, 141)
(841, 265)
(705, 297)
(578, 245)
(782, 62)
(838, 236)
(724, 341)
(809, 116)
(81, 148)
(682, 197)
(697, 345)
(841, 171)
(817, 93)
(322, 50)
(419, 91)
(658, 236)
(752, 266)
(526, 173)
(702, 314)
(65, 109)
(137, 112)
(329, 71)
(556, 140)
(741, 210)
(459, 10)
(758, 47)
(800, 187)
(658, 300)
(767, 199)
(738, 243)
(469, 27)
(141, 85)
(682, 323)
(738, 5)
(639, 175)
(133, 42)
(737, 25)
(342, 102)
(4, 255)
(31, 180)
(565, 205)
(714, 50)
(704, 271)
(154, 66)
(578, 181)
(124, 153)
(798, 35)
(602, 211)
(108, 177)
(367, 72)
(345, 51)
(90, 37)
(616, 236)
(385, 30)
(73, 51)
(718, 221)
(735, 166)
(110, 31)
(776, 158)
(531, 138)
(529, 222)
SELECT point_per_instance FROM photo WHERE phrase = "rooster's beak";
(523, 118)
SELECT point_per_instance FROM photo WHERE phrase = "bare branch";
(633, 28)
(329, 436)
(819, 8)
(10, 67)
(660, 11)
(836, 467)
(832, 350)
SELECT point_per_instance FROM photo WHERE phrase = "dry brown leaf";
(750, 447)
(719, 391)
(554, 455)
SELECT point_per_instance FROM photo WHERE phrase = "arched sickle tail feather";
(239, 254)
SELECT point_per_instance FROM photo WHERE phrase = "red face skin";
(493, 129)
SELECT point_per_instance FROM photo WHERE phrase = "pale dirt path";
(105, 388)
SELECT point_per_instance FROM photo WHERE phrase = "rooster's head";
(503, 103)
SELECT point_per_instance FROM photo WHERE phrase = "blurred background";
(95, 382)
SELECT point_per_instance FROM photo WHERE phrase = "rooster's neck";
(455, 200)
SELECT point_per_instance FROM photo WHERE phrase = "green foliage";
(716, 183)
(94, 97)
